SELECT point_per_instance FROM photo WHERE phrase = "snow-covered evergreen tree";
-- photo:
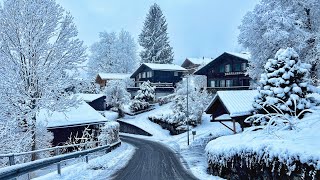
(146, 93)
(154, 38)
(113, 54)
(38, 49)
(117, 95)
(274, 24)
(285, 85)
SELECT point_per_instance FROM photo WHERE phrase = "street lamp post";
(188, 109)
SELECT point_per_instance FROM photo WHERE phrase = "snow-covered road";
(152, 160)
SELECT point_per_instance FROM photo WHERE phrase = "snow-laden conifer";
(146, 93)
(154, 38)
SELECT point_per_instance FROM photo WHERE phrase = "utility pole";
(188, 108)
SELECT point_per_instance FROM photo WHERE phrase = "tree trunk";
(33, 145)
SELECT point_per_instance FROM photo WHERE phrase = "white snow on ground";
(301, 144)
(102, 167)
(192, 156)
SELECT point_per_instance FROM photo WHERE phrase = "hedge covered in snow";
(137, 105)
(280, 154)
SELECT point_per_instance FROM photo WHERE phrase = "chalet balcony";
(215, 89)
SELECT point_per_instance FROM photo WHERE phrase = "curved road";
(152, 161)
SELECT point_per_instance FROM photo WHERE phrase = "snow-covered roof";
(244, 55)
(89, 97)
(114, 76)
(200, 60)
(237, 102)
(83, 114)
(165, 67)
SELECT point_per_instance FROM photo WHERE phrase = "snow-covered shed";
(232, 106)
(103, 78)
(70, 122)
(158, 74)
(96, 101)
(192, 64)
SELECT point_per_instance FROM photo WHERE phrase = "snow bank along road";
(152, 161)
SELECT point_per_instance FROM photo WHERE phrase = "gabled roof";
(159, 67)
(113, 76)
(244, 56)
(89, 97)
(84, 114)
(237, 102)
(199, 61)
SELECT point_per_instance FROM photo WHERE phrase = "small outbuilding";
(103, 78)
(192, 64)
(233, 106)
(96, 101)
(71, 122)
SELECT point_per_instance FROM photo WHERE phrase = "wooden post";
(234, 126)
(59, 168)
(87, 159)
(11, 160)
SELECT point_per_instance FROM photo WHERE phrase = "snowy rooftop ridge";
(200, 60)
(243, 55)
(114, 76)
(83, 114)
(89, 97)
(237, 102)
(165, 67)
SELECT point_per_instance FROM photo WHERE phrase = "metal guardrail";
(20, 169)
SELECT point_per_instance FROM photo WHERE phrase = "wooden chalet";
(226, 72)
(232, 106)
(96, 101)
(160, 75)
(71, 122)
(192, 64)
(103, 78)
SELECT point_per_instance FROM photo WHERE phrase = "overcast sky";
(196, 28)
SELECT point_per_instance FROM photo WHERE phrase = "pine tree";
(146, 93)
(154, 38)
(285, 85)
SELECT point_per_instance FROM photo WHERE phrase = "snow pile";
(286, 146)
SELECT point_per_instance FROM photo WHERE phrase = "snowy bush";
(165, 99)
(137, 105)
(198, 98)
(146, 92)
(284, 90)
(117, 95)
(109, 133)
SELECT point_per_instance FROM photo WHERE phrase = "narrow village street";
(152, 160)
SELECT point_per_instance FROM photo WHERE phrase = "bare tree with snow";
(39, 47)
(113, 54)
(154, 38)
(275, 24)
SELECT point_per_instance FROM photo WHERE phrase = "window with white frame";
(244, 66)
(144, 75)
(228, 68)
(212, 83)
(149, 74)
(139, 75)
(222, 83)
(176, 73)
(229, 83)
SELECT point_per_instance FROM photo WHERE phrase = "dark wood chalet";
(226, 72)
(192, 64)
(160, 75)
(233, 106)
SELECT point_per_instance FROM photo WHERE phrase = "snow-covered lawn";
(192, 156)
(300, 144)
(101, 167)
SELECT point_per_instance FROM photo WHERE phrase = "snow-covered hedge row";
(109, 133)
(170, 122)
(166, 99)
(283, 152)
(137, 105)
